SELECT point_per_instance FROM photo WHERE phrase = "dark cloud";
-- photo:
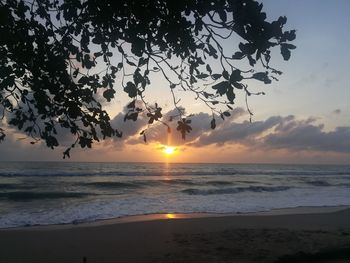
(337, 111)
(281, 133)
(310, 137)
(244, 133)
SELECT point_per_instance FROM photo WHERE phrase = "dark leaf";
(213, 124)
(216, 76)
(202, 76)
(131, 105)
(238, 55)
(230, 95)
(208, 68)
(225, 75)
(109, 94)
(285, 52)
(131, 89)
(222, 87)
(235, 76)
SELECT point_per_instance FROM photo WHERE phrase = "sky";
(303, 118)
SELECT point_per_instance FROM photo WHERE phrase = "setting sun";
(169, 150)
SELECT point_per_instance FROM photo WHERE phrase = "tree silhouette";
(60, 59)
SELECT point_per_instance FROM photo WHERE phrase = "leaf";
(131, 89)
(285, 52)
(225, 75)
(216, 76)
(248, 48)
(130, 63)
(213, 124)
(238, 55)
(282, 20)
(202, 76)
(75, 73)
(222, 14)
(142, 61)
(262, 76)
(230, 95)
(183, 127)
(222, 87)
(131, 116)
(98, 54)
(236, 76)
(131, 105)
(238, 85)
(289, 46)
(212, 51)
(251, 60)
(207, 95)
(109, 94)
(289, 35)
(118, 134)
(208, 68)
(226, 113)
(66, 153)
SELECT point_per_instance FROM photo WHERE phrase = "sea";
(44, 193)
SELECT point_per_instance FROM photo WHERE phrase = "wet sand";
(287, 235)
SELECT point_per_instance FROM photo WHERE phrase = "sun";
(169, 150)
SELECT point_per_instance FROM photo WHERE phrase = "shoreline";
(294, 234)
(175, 216)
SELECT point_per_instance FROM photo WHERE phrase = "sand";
(288, 235)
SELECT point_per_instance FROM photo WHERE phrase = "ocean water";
(41, 193)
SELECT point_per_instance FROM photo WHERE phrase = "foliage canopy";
(59, 59)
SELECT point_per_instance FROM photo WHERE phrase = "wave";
(196, 191)
(28, 196)
(113, 185)
(318, 183)
(8, 186)
(177, 182)
(218, 183)
(182, 172)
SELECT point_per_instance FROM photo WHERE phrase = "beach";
(306, 234)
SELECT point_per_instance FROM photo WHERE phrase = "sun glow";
(170, 216)
(169, 150)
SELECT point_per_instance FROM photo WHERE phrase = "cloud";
(243, 133)
(288, 134)
(200, 124)
(337, 111)
(281, 133)
(310, 137)
(274, 133)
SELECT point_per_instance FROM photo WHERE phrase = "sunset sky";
(303, 118)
